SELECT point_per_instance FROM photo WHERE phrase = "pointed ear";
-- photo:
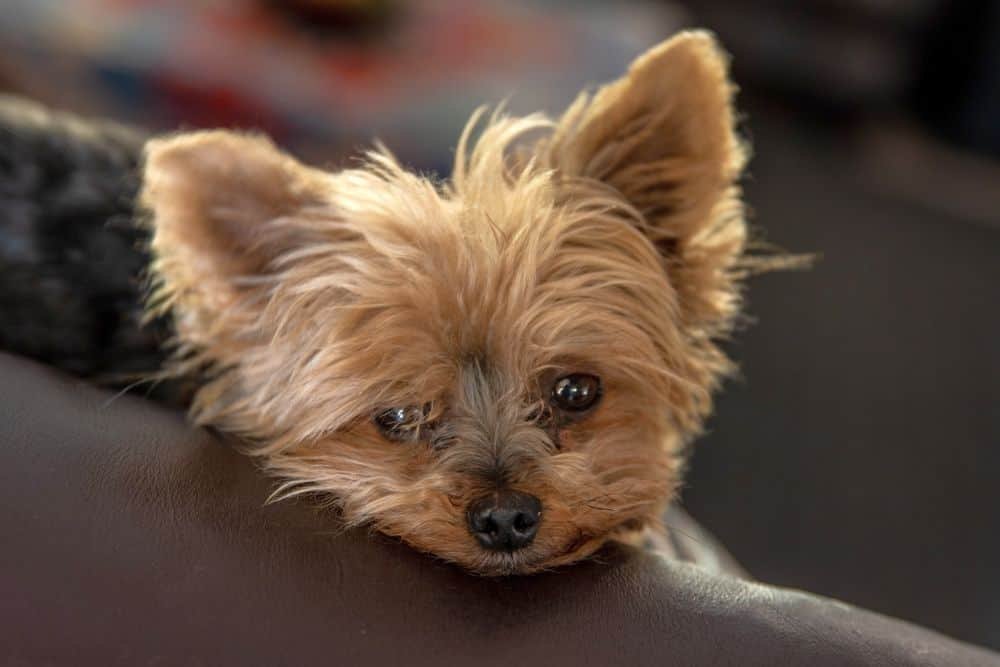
(219, 204)
(662, 136)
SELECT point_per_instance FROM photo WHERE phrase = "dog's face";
(500, 370)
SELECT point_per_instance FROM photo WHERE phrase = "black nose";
(505, 520)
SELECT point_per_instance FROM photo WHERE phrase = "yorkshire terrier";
(503, 370)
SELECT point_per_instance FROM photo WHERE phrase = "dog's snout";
(505, 520)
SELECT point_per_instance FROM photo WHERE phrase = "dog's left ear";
(662, 136)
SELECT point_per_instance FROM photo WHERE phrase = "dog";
(503, 370)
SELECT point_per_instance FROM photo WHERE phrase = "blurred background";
(859, 454)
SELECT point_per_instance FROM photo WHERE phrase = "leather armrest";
(130, 538)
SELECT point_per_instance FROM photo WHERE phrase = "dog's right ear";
(231, 216)
(223, 208)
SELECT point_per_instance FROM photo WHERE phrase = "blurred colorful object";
(409, 72)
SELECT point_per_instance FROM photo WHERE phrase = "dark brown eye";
(576, 392)
(400, 423)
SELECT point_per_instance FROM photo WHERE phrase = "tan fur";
(307, 301)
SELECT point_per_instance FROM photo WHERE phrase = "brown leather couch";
(129, 538)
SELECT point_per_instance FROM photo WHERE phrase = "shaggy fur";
(610, 245)
(609, 242)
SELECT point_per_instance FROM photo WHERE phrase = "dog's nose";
(505, 520)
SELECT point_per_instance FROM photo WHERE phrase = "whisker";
(687, 535)
(127, 389)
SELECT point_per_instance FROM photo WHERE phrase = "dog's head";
(501, 369)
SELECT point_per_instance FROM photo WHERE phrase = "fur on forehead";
(309, 299)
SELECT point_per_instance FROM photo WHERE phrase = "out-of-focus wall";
(324, 78)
